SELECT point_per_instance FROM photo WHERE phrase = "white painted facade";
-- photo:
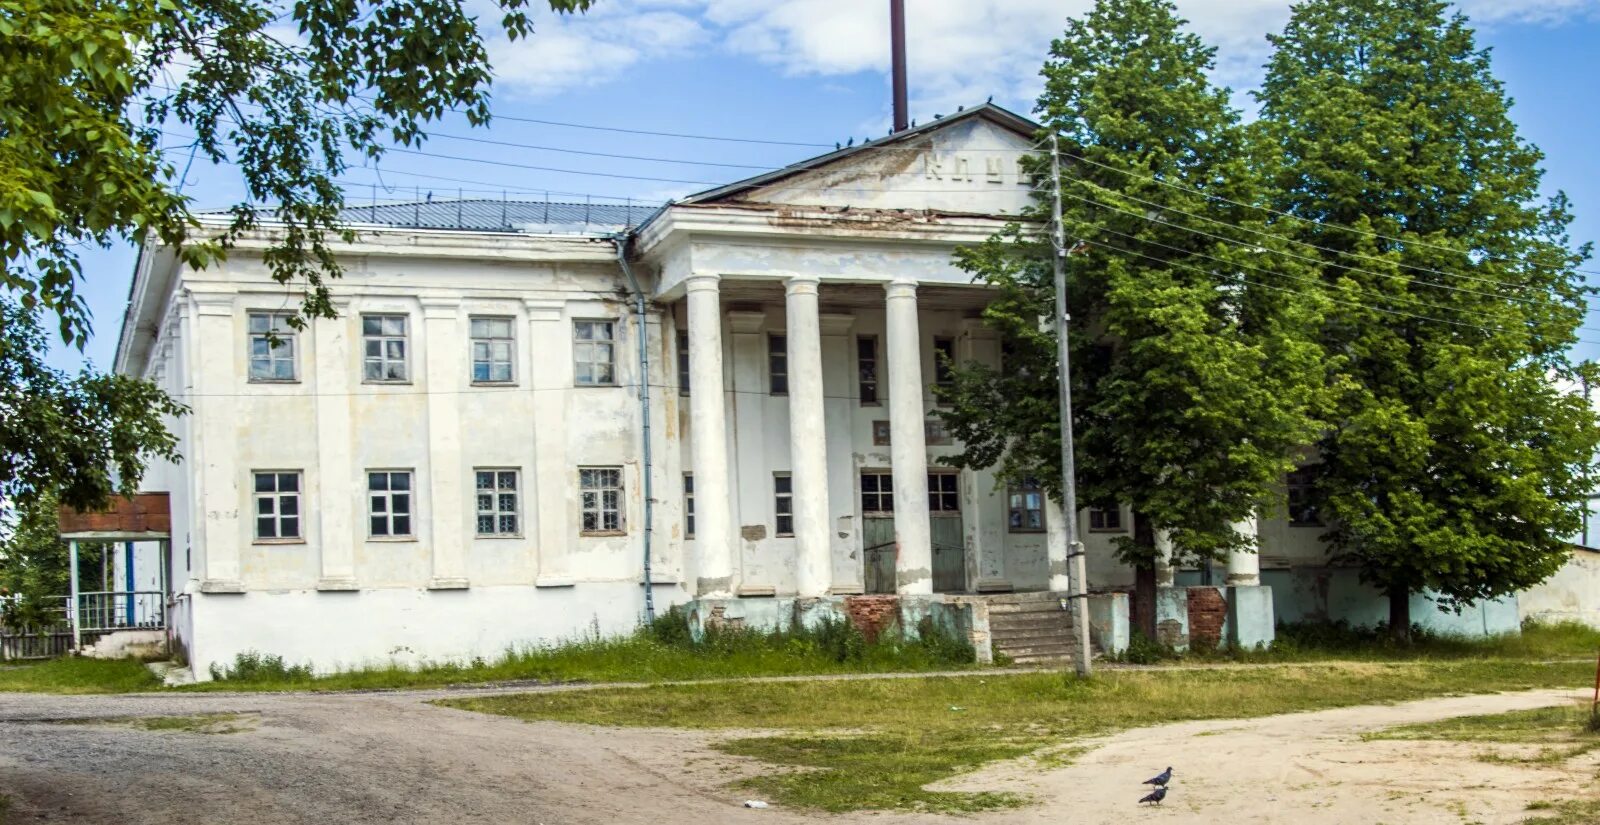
(849, 252)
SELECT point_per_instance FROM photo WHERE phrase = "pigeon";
(1154, 796)
(1160, 779)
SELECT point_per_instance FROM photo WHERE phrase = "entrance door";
(877, 538)
(944, 516)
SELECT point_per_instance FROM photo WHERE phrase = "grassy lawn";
(78, 676)
(1565, 812)
(1559, 733)
(841, 746)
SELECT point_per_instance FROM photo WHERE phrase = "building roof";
(503, 215)
(988, 111)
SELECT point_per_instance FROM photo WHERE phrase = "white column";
(554, 481)
(713, 537)
(332, 371)
(808, 446)
(215, 407)
(74, 607)
(1244, 566)
(446, 356)
(1166, 573)
(907, 442)
(838, 389)
(1056, 547)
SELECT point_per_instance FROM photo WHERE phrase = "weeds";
(261, 668)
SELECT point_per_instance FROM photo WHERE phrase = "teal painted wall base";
(1333, 594)
(1109, 630)
(1250, 621)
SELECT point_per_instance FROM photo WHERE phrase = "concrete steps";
(1031, 628)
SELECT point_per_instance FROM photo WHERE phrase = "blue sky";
(815, 71)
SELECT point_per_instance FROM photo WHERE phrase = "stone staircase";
(1030, 628)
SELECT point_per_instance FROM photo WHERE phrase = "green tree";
(34, 566)
(1455, 460)
(91, 86)
(1194, 379)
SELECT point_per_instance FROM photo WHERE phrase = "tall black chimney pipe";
(897, 37)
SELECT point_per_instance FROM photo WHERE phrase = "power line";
(596, 154)
(1316, 261)
(1292, 216)
(653, 133)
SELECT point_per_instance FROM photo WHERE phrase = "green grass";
(1565, 812)
(1561, 733)
(658, 652)
(208, 723)
(1322, 641)
(75, 675)
(876, 744)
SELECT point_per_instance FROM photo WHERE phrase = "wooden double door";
(878, 546)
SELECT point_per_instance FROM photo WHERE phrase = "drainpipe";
(621, 241)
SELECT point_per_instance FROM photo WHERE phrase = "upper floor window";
(272, 346)
(1305, 505)
(594, 353)
(683, 363)
(688, 505)
(601, 490)
(383, 339)
(1025, 504)
(783, 504)
(492, 345)
(778, 364)
(497, 502)
(867, 369)
(944, 362)
(389, 503)
(1108, 519)
(277, 497)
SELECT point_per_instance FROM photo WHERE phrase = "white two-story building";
(461, 463)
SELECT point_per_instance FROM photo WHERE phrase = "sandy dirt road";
(369, 758)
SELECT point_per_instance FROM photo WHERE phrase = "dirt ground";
(369, 758)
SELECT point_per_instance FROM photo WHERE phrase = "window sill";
(1018, 531)
(273, 381)
(494, 536)
(278, 541)
(392, 539)
(1108, 529)
(493, 383)
(600, 534)
(374, 383)
(595, 386)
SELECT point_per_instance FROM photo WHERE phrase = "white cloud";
(960, 51)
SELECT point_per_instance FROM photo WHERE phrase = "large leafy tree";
(1194, 380)
(284, 92)
(1455, 460)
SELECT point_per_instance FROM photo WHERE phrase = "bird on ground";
(1155, 796)
(1160, 779)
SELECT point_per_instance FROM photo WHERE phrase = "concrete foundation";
(962, 617)
(1250, 618)
(1109, 630)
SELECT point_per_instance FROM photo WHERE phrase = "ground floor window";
(1108, 519)
(389, 503)
(497, 502)
(601, 488)
(1305, 506)
(277, 497)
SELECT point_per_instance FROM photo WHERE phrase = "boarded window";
(594, 353)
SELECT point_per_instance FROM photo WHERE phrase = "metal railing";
(118, 610)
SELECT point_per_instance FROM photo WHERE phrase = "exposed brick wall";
(1207, 610)
(872, 614)
(144, 513)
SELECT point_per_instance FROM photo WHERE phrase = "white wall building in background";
(453, 466)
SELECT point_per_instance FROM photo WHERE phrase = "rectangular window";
(783, 504)
(497, 502)
(492, 345)
(277, 498)
(594, 353)
(1107, 519)
(867, 370)
(389, 503)
(778, 364)
(383, 338)
(272, 345)
(601, 488)
(1305, 505)
(944, 493)
(944, 361)
(683, 363)
(877, 491)
(1025, 503)
(688, 505)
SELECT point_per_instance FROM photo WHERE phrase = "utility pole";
(1078, 591)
